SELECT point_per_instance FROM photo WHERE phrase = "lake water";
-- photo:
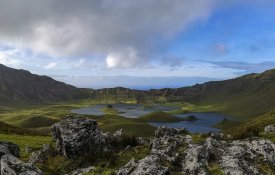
(202, 125)
(126, 110)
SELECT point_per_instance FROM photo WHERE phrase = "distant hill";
(23, 86)
(247, 96)
(9, 129)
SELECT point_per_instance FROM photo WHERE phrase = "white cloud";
(126, 59)
(9, 58)
(69, 28)
(84, 63)
(50, 65)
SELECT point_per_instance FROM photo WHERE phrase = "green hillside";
(9, 129)
(23, 86)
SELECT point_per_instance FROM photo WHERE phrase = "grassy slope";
(40, 118)
(26, 140)
(245, 97)
(9, 129)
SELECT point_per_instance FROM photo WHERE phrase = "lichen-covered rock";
(235, 157)
(119, 134)
(218, 136)
(149, 165)
(9, 148)
(163, 150)
(28, 149)
(41, 155)
(11, 165)
(165, 131)
(233, 161)
(82, 171)
(259, 148)
(269, 129)
(196, 160)
(78, 137)
(143, 141)
(188, 139)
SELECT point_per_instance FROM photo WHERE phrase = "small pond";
(204, 123)
(126, 110)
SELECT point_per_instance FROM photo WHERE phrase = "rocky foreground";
(172, 151)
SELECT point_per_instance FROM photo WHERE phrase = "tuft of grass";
(198, 138)
(214, 168)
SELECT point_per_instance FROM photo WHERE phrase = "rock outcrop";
(77, 137)
(41, 155)
(8, 148)
(11, 165)
(269, 129)
(174, 149)
(237, 157)
(163, 151)
(82, 171)
(149, 165)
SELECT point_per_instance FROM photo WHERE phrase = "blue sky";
(138, 44)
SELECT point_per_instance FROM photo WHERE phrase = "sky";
(138, 44)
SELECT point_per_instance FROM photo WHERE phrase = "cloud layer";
(126, 33)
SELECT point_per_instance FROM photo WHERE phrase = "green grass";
(9, 129)
(160, 116)
(24, 140)
(214, 168)
(110, 111)
(257, 124)
(269, 136)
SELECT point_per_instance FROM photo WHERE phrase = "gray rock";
(218, 136)
(269, 129)
(28, 149)
(229, 136)
(163, 151)
(41, 155)
(11, 165)
(119, 134)
(82, 171)
(233, 162)
(188, 139)
(143, 141)
(9, 148)
(165, 131)
(196, 160)
(149, 165)
(78, 136)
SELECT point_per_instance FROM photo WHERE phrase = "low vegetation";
(34, 141)
(160, 116)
